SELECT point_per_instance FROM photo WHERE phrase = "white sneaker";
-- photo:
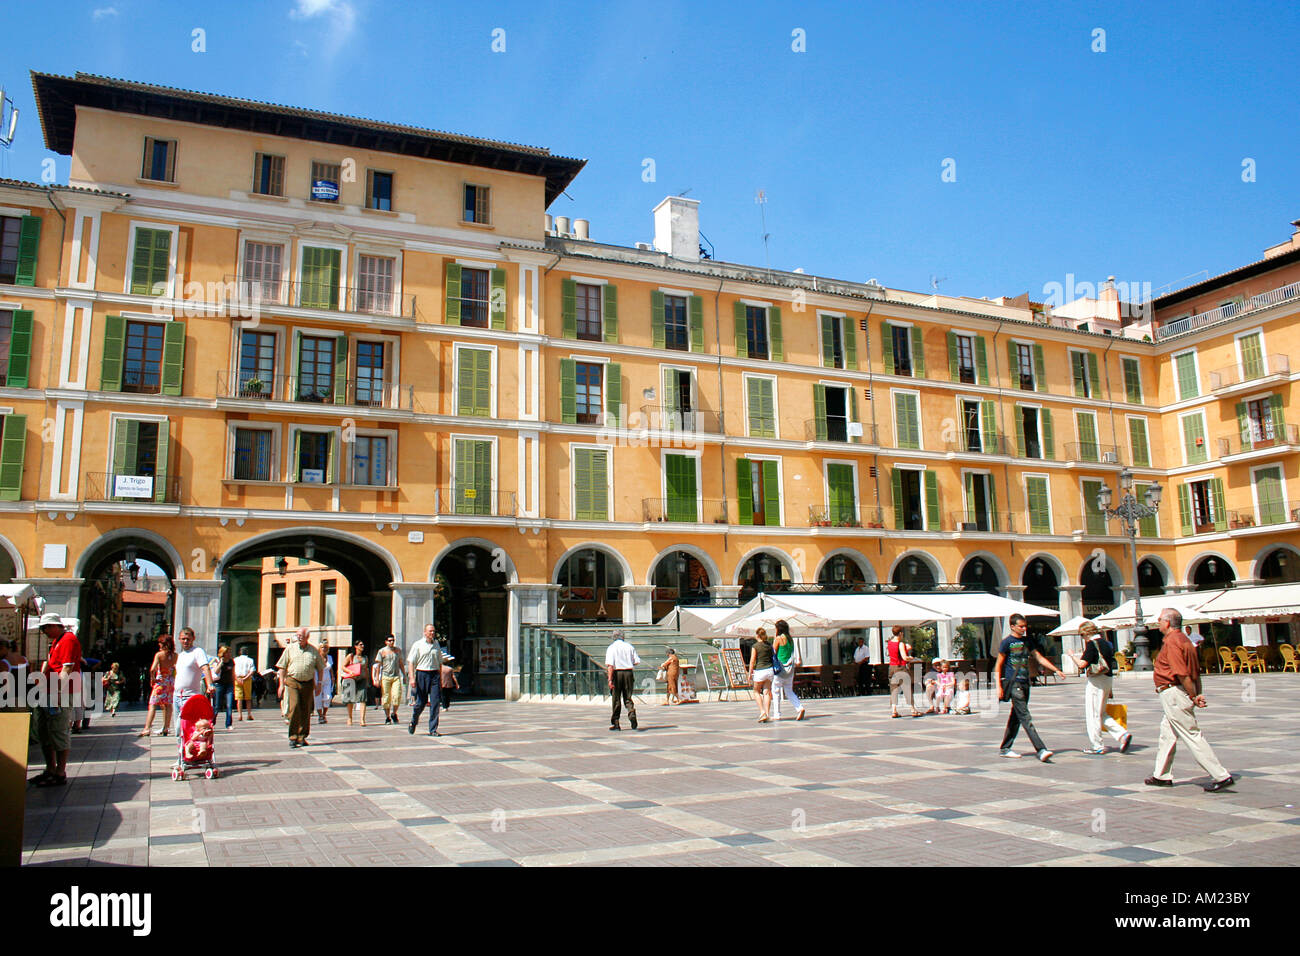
(1045, 755)
(1009, 753)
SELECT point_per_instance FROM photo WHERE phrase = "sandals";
(50, 780)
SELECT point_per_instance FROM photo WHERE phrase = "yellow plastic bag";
(1119, 712)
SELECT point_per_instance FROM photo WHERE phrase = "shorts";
(392, 691)
(244, 688)
(54, 730)
(763, 676)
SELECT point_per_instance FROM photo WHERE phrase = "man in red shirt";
(54, 721)
(1178, 682)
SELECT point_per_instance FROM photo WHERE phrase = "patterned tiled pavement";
(547, 784)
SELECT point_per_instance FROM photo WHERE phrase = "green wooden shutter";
(1275, 408)
(600, 510)
(1013, 364)
(1040, 374)
(670, 397)
(13, 449)
(110, 366)
(1146, 526)
(1049, 436)
(332, 460)
(1243, 426)
(1185, 509)
(1040, 519)
(1132, 382)
(918, 352)
(1187, 384)
(839, 483)
(20, 349)
(762, 416)
(1252, 357)
(29, 241)
(1077, 368)
(744, 492)
(989, 421)
(295, 467)
(161, 471)
(932, 519)
(341, 370)
(451, 312)
(1268, 488)
(771, 494)
(992, 503)
(697, 324)
(613, 395)
(1220, 510)
(1094, 379)
(173, 357)
(896, 489)
(481, 403)
(125, 441)
(1194, 432)
(568, 391)
(853, 410)
(828, 341)
(954, 369)
(296, 369)
(1087, 426)
(774, 334)
(968, 479)
(464, 475)
(679, 473)
(581, 484)
(1137, 436)
(1094, 520)
(483, 478)
(497, 302)
(465, 382)
(850, 343)
(320, 278)
(1020, 431)
(819, 411)
(610, 312)
(981, 360)
(909, 430)
(150, 261)
(657, 318)
(887, 346)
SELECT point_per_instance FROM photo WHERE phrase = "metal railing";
(974, 521)
(1278, 364)
(1280, 512)
(142, 381)
(1231, 310)
(984, 445)
(141, 489)
(1094, 523)
(1028, 525)
(819, 517)
(657, 417)
(363, 392)
(1269, 434)
(474, 502)
(265, 293)
(1092, 451)
(709, 510)
(838, 429)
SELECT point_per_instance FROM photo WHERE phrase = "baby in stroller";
(195, 741)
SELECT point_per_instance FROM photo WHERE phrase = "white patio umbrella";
(1069, 627)
(1187, 604)
(802, 623)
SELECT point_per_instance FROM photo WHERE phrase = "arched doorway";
(913, 573)
(591, 588)
(978, 574)
(1211, 574)
(841, 572)
(1151, 579)
(1280, 566)
(1098, 588)
(679, 578)
(470, 609)
(1042, 582)
(763, 571)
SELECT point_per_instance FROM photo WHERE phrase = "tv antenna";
(934, 282)
(8, 119)
(760, 198)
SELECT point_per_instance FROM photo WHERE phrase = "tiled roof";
(41, 187)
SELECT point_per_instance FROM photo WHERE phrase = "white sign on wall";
(132, 486)
(55, 557)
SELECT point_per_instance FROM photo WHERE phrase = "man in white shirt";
(862, 657)
(244, 667)
(620, 658)
(424, 667)
(192, 675)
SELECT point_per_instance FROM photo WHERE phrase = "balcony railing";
(710, 510)
(1092, 451)
(1270, 434)
(983, 445)
(1028, 523)
(140, 489)
(142, 381)
(311, 295)
(1230, 311)
(659, 418)
(363, 392)
(975, 521)
(1094, 523)
(837, 429)
(1269, 514)
(819, 517)
(474, 502)
(1237, 375)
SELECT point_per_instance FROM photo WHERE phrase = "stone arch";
(699, 554)
(365, 544)
(993, 561)
(1159, 562)
(110, 539)
(1257, 562)
(857, 557)
(15, 556)
(1052, 561)
(489, 546)
(593, 546)
(796, 573)
(940, 576)
(1196, 562)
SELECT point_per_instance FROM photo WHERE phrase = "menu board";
(715, 676)
(491, 655)
(735, 663)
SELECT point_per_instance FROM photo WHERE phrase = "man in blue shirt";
(1012, 671)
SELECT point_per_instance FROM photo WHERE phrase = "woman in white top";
(785, 652)
(13, 664)
(325, 686)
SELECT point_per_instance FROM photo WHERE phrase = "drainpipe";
(875, 458)
(722, 414)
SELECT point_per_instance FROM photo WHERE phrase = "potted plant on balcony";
(253, 388)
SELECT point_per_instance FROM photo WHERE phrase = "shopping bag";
(1119, 712)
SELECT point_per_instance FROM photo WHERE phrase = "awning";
(802, 623)
(17, 595)
(1268, 600)
(1069, 627)
(1187, 604)
(976, 604)
(845, 610)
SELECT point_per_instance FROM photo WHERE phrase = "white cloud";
(338, 17)
(102, 12)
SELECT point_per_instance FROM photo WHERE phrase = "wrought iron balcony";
(1278, 364)
(474, 502)
(966, 521)
(688, 510)
(263, 294)
(659, 418)
(132, 489)
(1093, 523)
(1092, 451)
(1268, 434)
(981, 444)
(363, 392)
(838, 429)
(1270, 513)
(1229, 311)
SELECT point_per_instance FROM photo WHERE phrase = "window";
(1147, 527)
(315, 369)
(474, 382)
(841, 495)
(832, 341)
(900, 345)
(680, 485)
(831, 404)
(10, 233)
(1094, 521)
(1260, 422)
(253, 454)
(1139, 445)
(1040, 511)
(6, 338)
(971, 435)
(329, 601)
(280, 602)
(475, 290)
(375, 284)
(1086, 425)
(140, 449)
(371, 382)
(756, 331)
(1024, 365)
(981, 506)
(159, 160)
(379, 190)
(477, 208)
(370, 460)
(472, 477)
(1185, 366)
(142, 360)
(302, 591)
(1084, 367)
(1033, 427)
(588, 395)
(1270, 501)
(321, 273)
(679, 401)
(1252, 355)
(588, 299)
(590, 484)
(907, 420)
(759, 393)
(256, 363)
(758, 491)
(916, 499)
(263, 270)
(1194, 449)
(1132, 381)
(1201, 506)
(965, 345)
(677, 329)
(268, 174)
(151, 261)
(326, 179)
(314, 458)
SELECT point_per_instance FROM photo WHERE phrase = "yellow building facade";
(244, 329)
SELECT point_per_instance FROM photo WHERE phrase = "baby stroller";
(193, 753)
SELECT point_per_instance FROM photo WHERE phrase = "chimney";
(581, 229)
(677, 228)
(562, 225)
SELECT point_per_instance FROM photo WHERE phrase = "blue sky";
(1066, 159)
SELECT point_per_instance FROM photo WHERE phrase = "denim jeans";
(426, 694)
(1019, 697)
(223, 696)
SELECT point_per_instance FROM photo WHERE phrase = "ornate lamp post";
(1130, 512)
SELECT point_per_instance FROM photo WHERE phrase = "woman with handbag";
(760, 672)
(1098, 662)
(900, 672)
(785, 658)
(355, 675)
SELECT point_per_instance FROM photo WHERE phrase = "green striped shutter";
(839, 482)
(1040, 517)
(20, 349)
(568, 391)
(497, 302)
(670, 396)
(613, 395)
(657, 318)
(610, 312)
(968, 480)
(1040, 374)
(819, 411)
(1077, 367)
(896, 488)
(341, 370)
(744, 491)
(1243, 426)
(295, 467)
(29, 241)
(697, 323)
(161, 471)
(1020, 431)
(774, 334)
(13, 448)
(110, 366)
(853, 410)
(1252, 357)
(173, 357)
(906, 421)
(581, 484)
(918, 352)
(932, 521)
(1187, 384)
(679, 475)
(954, 370)
(1094, 520)
(762, 413)
(483, 477)
(474, 383)
(1137, 436)
(992, 503)
(887, 346)
(451, 312)
(1087, 425)
(1013, 363)
(989, 421)
(1049, 436)
(1132, 382)
(464, 381)
(473, 494)
(1220, 510)
(850, 343)
(1185, 509)
(296, 368)
(1268, 489)
(600, 485)
(741, 330)
(320, 278)
(125, 440)
(150, 261)
(464, 475)
(1275, 410)
(771, 494)
(828, 341)
(981, 360)
(1146, 526)
(1194, 432)
(331, 460)
(1094, 379)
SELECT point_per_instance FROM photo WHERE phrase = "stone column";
(198, 605)
(529, 604)
(62, 596)
(724, 593)
(1071, 605)
(412, 609)
(636, 604)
